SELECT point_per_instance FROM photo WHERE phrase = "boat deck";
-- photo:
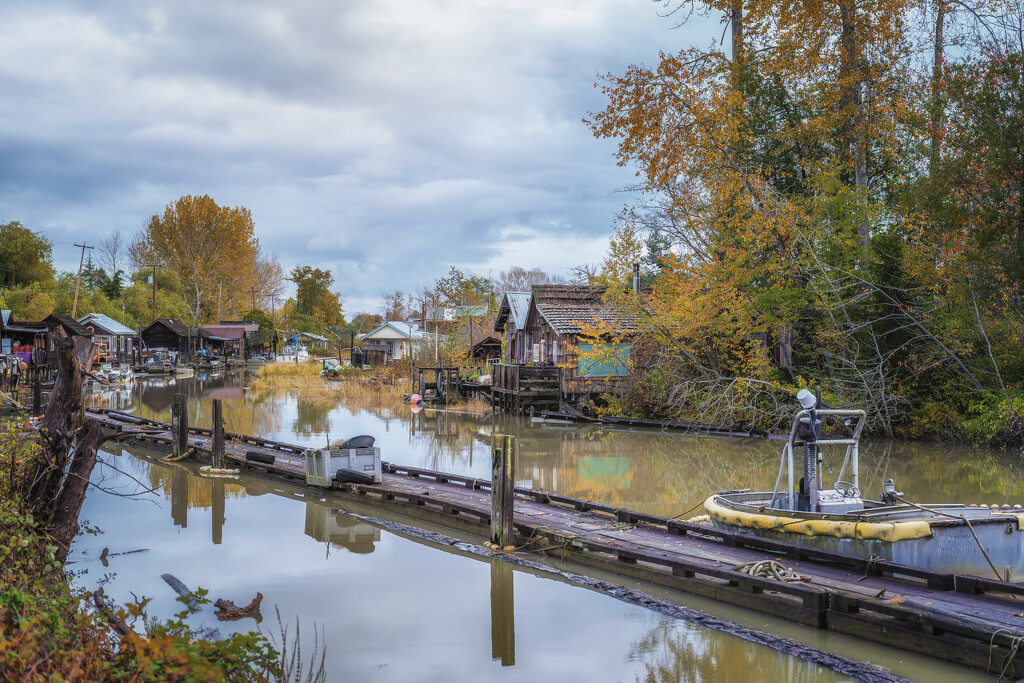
(973, 621)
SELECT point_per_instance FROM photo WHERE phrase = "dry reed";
(354, 389)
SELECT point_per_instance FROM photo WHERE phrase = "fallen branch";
(231, 612)
(115, 621)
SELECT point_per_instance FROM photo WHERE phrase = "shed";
(313, 341)
(173, 335)
(114, 341)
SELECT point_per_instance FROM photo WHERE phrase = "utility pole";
(252, 291)
(78, 282)
(273, 311)
(153, 266)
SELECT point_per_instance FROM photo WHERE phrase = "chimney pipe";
(636, 279)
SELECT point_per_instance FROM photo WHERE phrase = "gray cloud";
(382, 140)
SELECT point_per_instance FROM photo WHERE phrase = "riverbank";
(50, 630)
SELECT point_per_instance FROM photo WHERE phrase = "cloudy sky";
(382, 140)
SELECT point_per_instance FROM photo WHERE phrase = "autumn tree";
(212, 249)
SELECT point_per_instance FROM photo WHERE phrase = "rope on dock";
(1007, 663)
(770, 569)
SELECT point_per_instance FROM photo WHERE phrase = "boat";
(115, 374)
(952, 538)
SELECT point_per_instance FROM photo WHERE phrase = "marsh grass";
(355, 389)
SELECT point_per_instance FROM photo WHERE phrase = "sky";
(384, 141)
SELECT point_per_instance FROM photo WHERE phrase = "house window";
(606, 360)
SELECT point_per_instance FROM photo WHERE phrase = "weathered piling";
(503, 460)
(179, 426)
(37, 396)
(218, 434)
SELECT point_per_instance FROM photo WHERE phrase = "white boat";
(950, 538)
(115, 374)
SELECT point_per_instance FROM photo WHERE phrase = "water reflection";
(563, 633)
(674, 651)
(326, 525)
(503, 613)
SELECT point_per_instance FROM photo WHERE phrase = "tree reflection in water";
(675, 651)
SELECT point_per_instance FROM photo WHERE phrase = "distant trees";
(519, 279)
(25, 257)
(315, 306)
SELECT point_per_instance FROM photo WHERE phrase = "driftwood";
(115, 621)
(230, 611)
(182, 590)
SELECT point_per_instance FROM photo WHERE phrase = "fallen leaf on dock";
(897, 600)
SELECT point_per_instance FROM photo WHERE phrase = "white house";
(398, 338)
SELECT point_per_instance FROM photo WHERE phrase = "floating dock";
(968, 620)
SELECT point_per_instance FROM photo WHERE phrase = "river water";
(388, 607)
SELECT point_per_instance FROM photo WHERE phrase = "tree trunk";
(736, 18)
(72, 495)
(857, 133)
(937, 71)
(60, 423)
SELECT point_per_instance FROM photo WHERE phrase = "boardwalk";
(973, 621)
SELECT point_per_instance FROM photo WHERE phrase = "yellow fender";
(890, 532)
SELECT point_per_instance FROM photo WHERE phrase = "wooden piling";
(503, 462)
(37, 396)
(218, 434)
(179, 426)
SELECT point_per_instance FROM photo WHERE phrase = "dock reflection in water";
(375, 599)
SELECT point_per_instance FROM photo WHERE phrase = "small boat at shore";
(948, 537)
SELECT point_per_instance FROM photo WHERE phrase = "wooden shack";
(550, 337)
(511, 323)
(114, 341)
(173, 336)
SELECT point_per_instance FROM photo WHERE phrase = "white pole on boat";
(792, 494)
(855, 467)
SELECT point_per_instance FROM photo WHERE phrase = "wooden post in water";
(503, 463)
(218, 434)
(37, 395)
(179, 426)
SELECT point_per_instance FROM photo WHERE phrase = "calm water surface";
(392, 608)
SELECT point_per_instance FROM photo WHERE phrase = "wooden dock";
(967, 620)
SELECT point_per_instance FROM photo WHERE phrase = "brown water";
(396, 609)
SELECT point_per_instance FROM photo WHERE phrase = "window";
(606, 360)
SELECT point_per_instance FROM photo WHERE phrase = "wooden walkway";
(972, 621)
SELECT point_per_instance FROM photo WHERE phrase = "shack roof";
(393, 329)
(177, 327)
(566, 308)
(102, 323)
(514, 305)
(312, 336)
(68, 323)
(223, 332)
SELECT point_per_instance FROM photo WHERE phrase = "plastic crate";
(322, 465)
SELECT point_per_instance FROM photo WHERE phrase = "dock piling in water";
(503, 448)
(218, 434)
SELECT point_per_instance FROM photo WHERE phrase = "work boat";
(949, 538)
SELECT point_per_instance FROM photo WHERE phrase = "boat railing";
(851, 457)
